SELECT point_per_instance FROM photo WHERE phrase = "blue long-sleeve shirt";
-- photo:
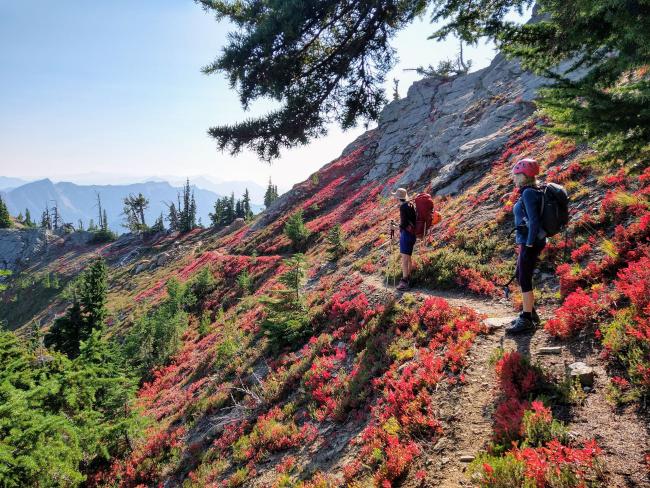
(527, 217)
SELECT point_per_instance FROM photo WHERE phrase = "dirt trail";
(466, 412)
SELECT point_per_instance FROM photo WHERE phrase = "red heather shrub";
(580, 253)
(396, 455)
(286, 465)
(398, 458)
(574, 171)
(145, 465)
(569, 280)
(507, 419)
(555, 462)
(518, 381)
(325, 383)
(350, 307)
(435, 312)
(274, 432)
(579, 310)
(475, 282)
(517, 377)
(634, 283)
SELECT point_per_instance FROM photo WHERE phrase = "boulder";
(163, 259)
(584, 373)
(142, 266)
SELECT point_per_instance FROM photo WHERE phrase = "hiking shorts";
(406, 242)
(526, 262)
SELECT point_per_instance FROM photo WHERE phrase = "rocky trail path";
(466, 412)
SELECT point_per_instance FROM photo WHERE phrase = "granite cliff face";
(443, 134)
(450, 129)
(18, 247)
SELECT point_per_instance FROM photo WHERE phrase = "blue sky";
(113, 90)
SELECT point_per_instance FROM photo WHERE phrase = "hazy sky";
(116, 88)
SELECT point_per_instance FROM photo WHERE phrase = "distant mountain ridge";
(8, 182)
(80, 201)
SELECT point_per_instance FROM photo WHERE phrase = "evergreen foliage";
(134, 207)
(296, 230)
(271, 194)
(87, 312)
(227, 209)
(186, 209)
(336, 241)
(156, 336)
(172, 218)
(323, 61)
(159, 224)
(5, 218)
(60, 419)
(28, 219)
(287, 321)
(327, 61)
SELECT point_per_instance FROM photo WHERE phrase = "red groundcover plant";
(579, 310)
(539, 455)
(518, 382)
(406, 410)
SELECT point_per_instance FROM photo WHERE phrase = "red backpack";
(425, 216)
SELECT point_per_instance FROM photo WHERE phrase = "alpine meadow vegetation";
(275, 352)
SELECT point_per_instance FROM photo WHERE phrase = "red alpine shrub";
(634, 282)
(579, 310)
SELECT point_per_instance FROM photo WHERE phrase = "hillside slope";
(379, 388)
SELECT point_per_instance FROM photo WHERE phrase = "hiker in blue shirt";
(407, 221)
(531, 239)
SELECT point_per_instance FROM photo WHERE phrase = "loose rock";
(583, 372)
(550, 350)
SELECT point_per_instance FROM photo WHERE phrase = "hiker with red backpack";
(416, 218)
(407, 238)
(540, 212)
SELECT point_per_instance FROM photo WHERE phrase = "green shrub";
(198, 289)
(507, 472)
(101, 236)
(156, 336)
(440, 268)
(245, 282)
(296, 230)
(287, 320)
(336, 242)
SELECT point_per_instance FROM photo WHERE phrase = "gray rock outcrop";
(18, 247)
(447, 129)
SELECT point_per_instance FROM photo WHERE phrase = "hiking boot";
(522, 324)
(536, 320)
(403, 285)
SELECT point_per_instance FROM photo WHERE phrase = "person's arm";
(531, 204)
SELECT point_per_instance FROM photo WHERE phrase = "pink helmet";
(527, 166)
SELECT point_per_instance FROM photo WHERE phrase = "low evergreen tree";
(28, 219)
(271, 194)
(158, 225)
(87, 312)
(287, 321)
(5, 218)
(296, 230)
(336, 242)
(156, 336)
(247, 212)
(172, 218)
(134, 208)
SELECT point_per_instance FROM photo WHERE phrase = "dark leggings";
(526, 262)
